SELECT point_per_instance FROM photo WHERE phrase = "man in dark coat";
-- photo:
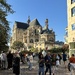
(48, 63)
(16, 64)
(9, 59)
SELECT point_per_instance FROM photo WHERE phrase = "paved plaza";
(61, 70)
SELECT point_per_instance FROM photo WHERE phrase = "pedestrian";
(16, 64)
(54, 63)
(41, 64)
(72, 64)
(3, 60)
(60, 58)
(9, 60)
(64, 55)
(30, 61)
(48, 63)
(57, 60)
(21, 57)
(1, 57)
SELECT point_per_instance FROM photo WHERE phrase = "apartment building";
(70, 29)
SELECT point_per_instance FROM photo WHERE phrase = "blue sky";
(54, 10)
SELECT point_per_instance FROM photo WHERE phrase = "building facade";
(70, 29)
(32, 34)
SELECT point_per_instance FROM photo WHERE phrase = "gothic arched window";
(36, 40)
(31, 40)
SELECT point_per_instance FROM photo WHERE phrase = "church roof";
(46, 31)
(34, 22)
(21, 25)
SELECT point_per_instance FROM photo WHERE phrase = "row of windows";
(31, 41)
(73, 9)
(72, 14)
(73, 26)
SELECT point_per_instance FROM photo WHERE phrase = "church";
(32, 34)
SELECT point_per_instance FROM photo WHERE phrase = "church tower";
(28, 21)
(46, 23)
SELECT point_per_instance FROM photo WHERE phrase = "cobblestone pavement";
(61, 70)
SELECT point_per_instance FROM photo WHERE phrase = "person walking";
(60, 58)
(57, 60)
(41, 64)
(64, 58)
(72, 64)
(30, 57)
(54, 63)
(48, 63)
(9, 60)
(4, 60)
(16, 64)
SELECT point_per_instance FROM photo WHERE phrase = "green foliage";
(58, 50)
(17, 45)
(65, 47)
(26, 52)
(32, 49)
(5, 9)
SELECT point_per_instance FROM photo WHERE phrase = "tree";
(32, 49)
(65, 47)
(5, 9)
(17, 45)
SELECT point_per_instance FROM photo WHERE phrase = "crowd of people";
(53, 61)
(6, 60)
(11, 61)
(50, 61)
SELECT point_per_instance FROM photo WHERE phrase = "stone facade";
(70, 29)
(32, 34)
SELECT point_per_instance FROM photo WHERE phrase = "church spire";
(28, 21)
(46, 23)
